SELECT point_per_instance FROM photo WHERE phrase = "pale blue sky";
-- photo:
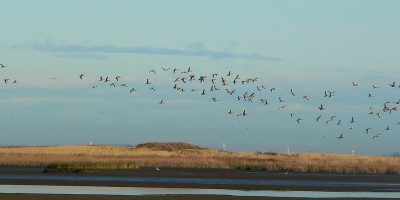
(311, 46)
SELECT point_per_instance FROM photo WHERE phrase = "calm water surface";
(87, 190)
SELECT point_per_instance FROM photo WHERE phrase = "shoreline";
(151, 197)
(203, 179)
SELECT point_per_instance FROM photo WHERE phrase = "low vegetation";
(85, 167)
(86, 158)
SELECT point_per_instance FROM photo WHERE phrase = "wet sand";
(224, 174)
(166, 197)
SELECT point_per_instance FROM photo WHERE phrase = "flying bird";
(147, 82)
(282, 107)
(376, 136)
(318, 118)
(81, 76)
(292, 92)
(132, 90)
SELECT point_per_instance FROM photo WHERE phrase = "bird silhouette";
(292, 92)
(376, 136)
(132, 90)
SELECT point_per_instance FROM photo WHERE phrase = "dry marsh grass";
(190, 156)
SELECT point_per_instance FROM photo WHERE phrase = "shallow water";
(370, 186)
(87, 190)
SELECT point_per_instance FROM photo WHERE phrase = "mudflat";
(203, 178)
(166, 197)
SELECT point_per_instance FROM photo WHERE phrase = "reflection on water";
(41, 189)
(371, 186)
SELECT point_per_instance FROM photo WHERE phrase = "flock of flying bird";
(245, 90)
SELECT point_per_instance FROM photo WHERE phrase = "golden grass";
(190, 156)
(87, 166)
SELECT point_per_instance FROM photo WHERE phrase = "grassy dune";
(81, 158)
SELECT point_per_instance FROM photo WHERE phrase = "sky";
(308, 46)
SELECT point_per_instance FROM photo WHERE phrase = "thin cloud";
(196, 51)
